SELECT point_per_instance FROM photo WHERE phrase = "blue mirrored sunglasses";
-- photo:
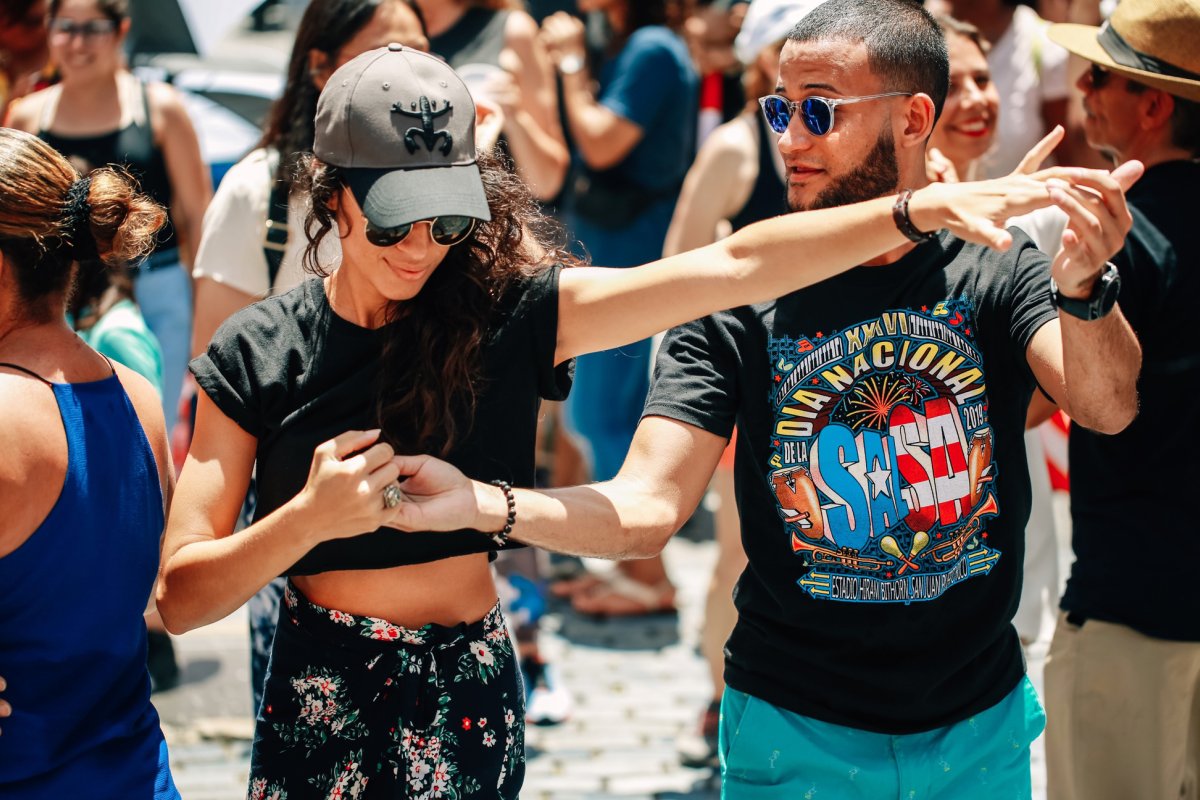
(816, 112)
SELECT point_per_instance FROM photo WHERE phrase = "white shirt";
(231, 245)
(1028, 70)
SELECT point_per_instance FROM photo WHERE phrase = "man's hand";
(1099, 220)
(438, 497)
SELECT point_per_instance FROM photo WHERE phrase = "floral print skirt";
(356, 707)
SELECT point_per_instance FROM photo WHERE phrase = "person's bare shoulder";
(35, 461)
(24, 112)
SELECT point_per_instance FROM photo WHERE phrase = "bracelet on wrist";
(501, 537)
(905, 223)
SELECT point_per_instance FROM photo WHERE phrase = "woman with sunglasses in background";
(242, 258)
(100, 114)
(447, 321)
(84, 485)
(634, 131)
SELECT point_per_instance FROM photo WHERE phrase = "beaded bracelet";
(501, 538)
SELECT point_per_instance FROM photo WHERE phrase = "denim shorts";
(768, 753)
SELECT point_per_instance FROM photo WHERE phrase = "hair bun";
(122, 223)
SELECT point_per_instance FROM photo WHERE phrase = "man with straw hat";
(1123, 673)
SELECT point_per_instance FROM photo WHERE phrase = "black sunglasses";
(90, 29)
(1099, 76)
(816, 112)
(446, 231)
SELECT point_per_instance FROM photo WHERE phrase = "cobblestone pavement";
(638, 686)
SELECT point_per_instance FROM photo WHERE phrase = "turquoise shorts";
(768, 753)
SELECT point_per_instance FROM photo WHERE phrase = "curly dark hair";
(431, 372)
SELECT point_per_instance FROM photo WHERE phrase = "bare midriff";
(444, 592)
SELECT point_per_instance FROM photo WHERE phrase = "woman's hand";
(5, 708)
(344, 493)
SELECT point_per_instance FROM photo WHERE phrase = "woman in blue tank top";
(83, 482)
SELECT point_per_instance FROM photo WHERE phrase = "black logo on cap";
(428, 135)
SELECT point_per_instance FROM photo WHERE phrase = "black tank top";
(132, 147)
(769, 196)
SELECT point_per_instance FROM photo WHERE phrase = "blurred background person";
(253, 241)
(965, 133)
(633, 130)
(24, 53)
(1030, 73)
(737, 179)
(493, 45)
(102, 311)
(966, 130)
(709, 31)
(84, 485)
(98, 114)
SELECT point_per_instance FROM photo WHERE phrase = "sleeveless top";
(477, 38)
(132, 147)
(72, 635)
(768, 198)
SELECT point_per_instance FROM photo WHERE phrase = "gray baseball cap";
(401, 125)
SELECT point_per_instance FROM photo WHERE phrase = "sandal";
(621, 596)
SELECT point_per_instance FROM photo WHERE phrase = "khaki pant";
(1123, 715)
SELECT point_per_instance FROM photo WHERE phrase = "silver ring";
(392, 495)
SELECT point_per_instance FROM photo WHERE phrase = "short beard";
(878, 175)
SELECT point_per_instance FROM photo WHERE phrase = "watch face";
(1110, 287)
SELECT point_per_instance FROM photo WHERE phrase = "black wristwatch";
(1102, 300)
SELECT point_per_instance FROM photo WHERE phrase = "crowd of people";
(425, 319)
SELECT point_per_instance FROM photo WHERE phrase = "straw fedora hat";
(1155, 42)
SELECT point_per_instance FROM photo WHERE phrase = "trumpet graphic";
(889, 545)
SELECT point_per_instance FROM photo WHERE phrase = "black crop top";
(294, 374)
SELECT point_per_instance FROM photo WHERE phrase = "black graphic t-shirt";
(881, 480)
(1136, 542)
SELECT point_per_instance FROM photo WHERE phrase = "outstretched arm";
(633, 515)
(605, 308)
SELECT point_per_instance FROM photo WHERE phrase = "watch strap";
(904, 222)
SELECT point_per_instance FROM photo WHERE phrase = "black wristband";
(904, 222)
(501, 538)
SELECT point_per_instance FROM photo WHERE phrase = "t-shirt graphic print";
(880, 478)
(881, 457)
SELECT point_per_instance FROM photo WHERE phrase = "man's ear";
(918, 121)
(1155, 108)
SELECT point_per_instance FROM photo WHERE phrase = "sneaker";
(547, 701)
(160, 660)
(699, 750)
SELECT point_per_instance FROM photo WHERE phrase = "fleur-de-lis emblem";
(427, 112)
